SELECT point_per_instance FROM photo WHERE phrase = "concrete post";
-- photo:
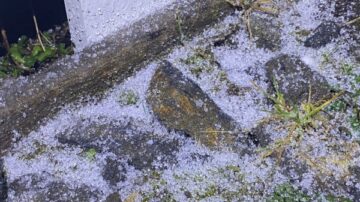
(92, 20)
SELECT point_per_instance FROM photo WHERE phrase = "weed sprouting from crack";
(298, 118)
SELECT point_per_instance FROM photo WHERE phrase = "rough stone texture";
(355, 47)
(37, 188)
(25, 103)
(349, 9)
(266, 32)
(325, 33)
(353, 190)
(295, 78)
(293, 168)
(114, 197)
(226, 38)
(355, 170)
(181, 105)
(258, 136)
(140, 149)
(3, 183)
(114, 172)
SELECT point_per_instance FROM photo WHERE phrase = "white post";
(92, 20)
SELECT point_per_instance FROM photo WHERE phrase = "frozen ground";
(323, 165)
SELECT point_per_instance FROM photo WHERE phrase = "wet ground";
(230, 116)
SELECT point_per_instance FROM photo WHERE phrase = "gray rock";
(126, 141)
(181, 105)
(259, 136)
(325, 33)
(348, 9)
(40, 188)
(114, 197)
(355, 171)
(353, 190)
(355, 51)
(114, 172)
(59, 191)
(3, 183)
(293, 168)
(295, 78)
(266, 32)
(297, 170)
(226, 38)
(353, 40)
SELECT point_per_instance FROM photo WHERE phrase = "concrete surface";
(92, 20)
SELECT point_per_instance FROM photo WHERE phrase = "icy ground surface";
(200, 174)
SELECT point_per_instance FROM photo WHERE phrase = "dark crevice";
(3, 183)
(16, 17)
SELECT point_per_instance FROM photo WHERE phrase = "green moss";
(301, 35)
(198, 178)
(287, 193)
(351, 104)
(355, 122)
(326, 58)
(164, 196)
(210, 191)
(233, 168)
(231, 195)
(223, 76)
(8, 69)
(331, 198)
(158, 191)
(339, 106)
(201, 61)
(347, 69)
(39, 149)
(197, 71)
(178, 177)
(155, 175)
(128, 98)
(90, 154)
(357, 79)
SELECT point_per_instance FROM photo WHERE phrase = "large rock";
(295, 78)
(180, 104)
(265, 31)
(40, 188)
(140, 148)
(3, 184)
(348, 9)
(325, 33)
